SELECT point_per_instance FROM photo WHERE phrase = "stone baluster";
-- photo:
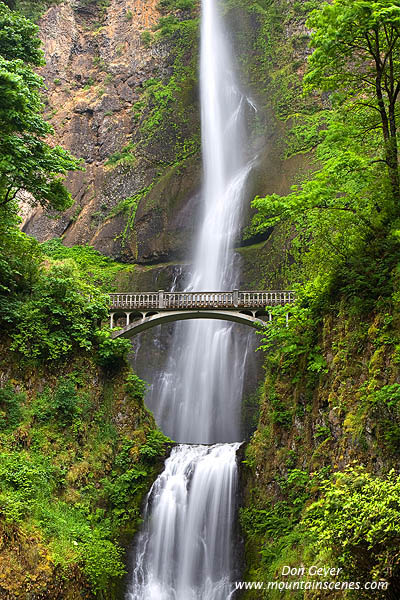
(161, 299)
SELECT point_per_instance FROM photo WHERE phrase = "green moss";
(33, 9)
(337, 379)
(100, 269)
(167, 108)
(74, 475)
(124, 156)
(146, 38)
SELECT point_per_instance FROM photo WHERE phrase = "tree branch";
(374, 54)
(7, 198)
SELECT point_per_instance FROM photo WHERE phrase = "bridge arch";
(148, 322)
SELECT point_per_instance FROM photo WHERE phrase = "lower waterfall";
(184, 549)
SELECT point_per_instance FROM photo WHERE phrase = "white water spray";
(185, 549)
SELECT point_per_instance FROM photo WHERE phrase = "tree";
(346, 212)
(357, 52)
(27, 161)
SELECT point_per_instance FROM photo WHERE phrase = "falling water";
(185, 548)
(182, 550)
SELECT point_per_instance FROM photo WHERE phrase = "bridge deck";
(235, 299)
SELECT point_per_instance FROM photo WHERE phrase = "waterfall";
(184, 551)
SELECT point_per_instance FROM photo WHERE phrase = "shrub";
(10, 407)
(146, 38)
(135, 386)
(60, 316)
(111, 352)
(357, 520)
(66, 402)
(154, 446)
(101, 560)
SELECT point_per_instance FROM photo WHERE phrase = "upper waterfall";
(225, 164)
(203, 382)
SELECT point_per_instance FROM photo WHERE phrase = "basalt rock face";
(98, 64)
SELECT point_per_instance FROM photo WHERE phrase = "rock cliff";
(104, 74)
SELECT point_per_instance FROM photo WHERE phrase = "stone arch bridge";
(137, 312)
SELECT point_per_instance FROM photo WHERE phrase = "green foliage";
(66, 402)
(27, 162)
(271, 44)
(19, 261)
(122, 487)
(280, 414)
(22, 481)
(352, 526)
(275, 527)
(102, 560)
(59, 317)
(56, 310)
(57, 445)
(345, 213)
(154, 445)
(10, 407)
(174, 5)
(166, 105)
(287, 342)
(345, 35)
(81, 481)
(273, 522)
(19, 38)
(357, 56)
(161, 97)
(146, 38)
(165, 114)
(388, 395)
(92, 265)
(33, 9)
(339, 211)
(384, 408)
(111, 352)
(322, 432)
(27, 486)
(357, 521)
(135, 386)
(128, 206)
(124, 156)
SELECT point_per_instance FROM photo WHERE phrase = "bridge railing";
(261, 299)
(198, 299)
(145, 300)
(186, 300)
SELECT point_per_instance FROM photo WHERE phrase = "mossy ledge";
(326, 446)
(79, 450)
